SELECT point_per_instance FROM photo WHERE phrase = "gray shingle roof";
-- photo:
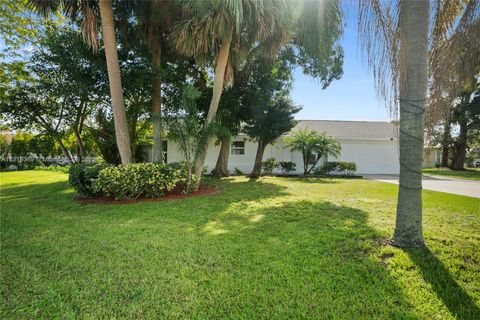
(352, 129)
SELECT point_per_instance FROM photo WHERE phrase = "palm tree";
(225, 27)
(414, 19)
(396, 40)
(89, 11)
(156, 18)
(312, 144)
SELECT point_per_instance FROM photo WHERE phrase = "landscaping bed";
(177, 193)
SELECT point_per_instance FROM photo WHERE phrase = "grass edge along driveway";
(469, 173)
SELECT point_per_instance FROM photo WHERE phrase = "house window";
(164, 150)
(238, 147)
(312, 158)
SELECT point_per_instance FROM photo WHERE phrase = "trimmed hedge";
(81, 177)
(268, 166)
(287, 166)
(148, 180)
(338, 167)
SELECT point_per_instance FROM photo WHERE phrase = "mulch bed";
(203, 190)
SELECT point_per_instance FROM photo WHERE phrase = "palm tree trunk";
(119, 116)
(221, 169)
(305, 163)
(220, 68)
(257, 167)
(414, 19)
(156, 111)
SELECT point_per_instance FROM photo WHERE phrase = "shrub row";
(335, 167)
(270, 164)
(129, 181)
(81, 177)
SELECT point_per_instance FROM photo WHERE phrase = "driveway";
(462, 187)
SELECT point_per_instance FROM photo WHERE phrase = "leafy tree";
(40, 111)
(189, 133)
(89, 11)
(20, 144)
(103, 135)
(68, 70)
(467, 115)
(312, 144)
(19, 31)
(217, 27)
(44, 145)
(268, 124)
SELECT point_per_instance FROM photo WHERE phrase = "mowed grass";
(275, 248)
(469, 173)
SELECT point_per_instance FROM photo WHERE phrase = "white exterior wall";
(371, 156)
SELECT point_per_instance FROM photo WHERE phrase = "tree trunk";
(319, 156)
(64, 149)
(218, 82)
(414, 20)
(77, 130)
(460, 151)
(133, 135)
(257, 168)
(221, 169)
(157, 152)
(80, 147)
(445, 144)
(305, 163)
(119, 116)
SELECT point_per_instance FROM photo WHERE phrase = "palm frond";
(379, 41)
(86, 10)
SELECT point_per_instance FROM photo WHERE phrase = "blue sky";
(350, 98)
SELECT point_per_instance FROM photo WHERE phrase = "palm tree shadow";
(454, 297)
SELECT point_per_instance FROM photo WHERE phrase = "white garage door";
(371, 156)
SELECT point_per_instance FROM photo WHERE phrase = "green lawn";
(470, 173)
(276, 248)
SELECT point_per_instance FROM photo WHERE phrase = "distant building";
(372, 145)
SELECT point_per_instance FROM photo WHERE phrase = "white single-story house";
(372, 145)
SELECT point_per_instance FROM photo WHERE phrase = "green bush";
(81, 177)
(268, 166)
(142, 180)
(239, 172)
(287, 166)
(338, 167)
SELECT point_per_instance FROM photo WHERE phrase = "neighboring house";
(372, 145)
(431, 156)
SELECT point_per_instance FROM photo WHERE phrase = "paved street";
(462, 187)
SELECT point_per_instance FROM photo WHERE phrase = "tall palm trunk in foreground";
(414, 17)
(156, 111)
(119, 116)
(218, 83)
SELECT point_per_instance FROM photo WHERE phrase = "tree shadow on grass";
(33, 191)
(454, 297)
(314, 259)
(309, 179)
(236, 254)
